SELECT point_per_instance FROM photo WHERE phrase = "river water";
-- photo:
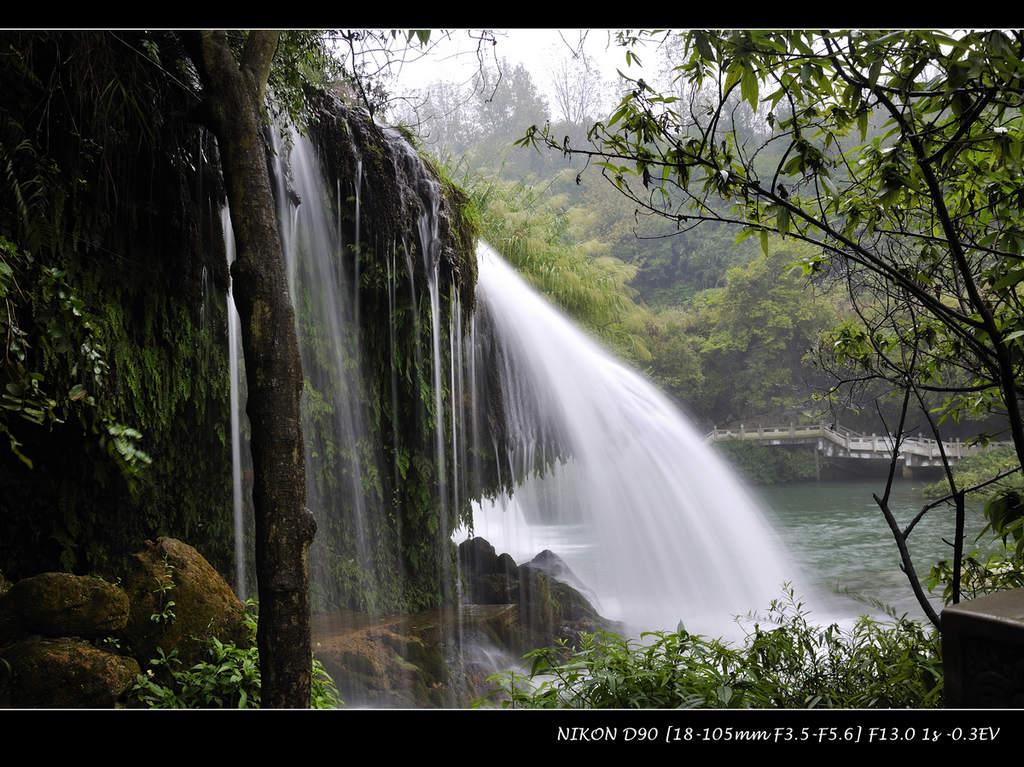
(836, 535)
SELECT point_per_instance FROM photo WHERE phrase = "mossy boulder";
(62, 604)
(178, 601)
(552, 610)
(63, 672)
(172, 599)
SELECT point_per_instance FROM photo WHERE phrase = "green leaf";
(733, 75)
(703, 46)
(749, 87)
(876, 70)
(782, 220)
(1011, 278)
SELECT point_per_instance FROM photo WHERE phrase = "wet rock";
(63, 673)
(552, 603)
(443, 657)
(552, 611)
(384, 666)
(489, 579)
(477, 557)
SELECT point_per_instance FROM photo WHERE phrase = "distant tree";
(442, 116)
(577, 87)
(507, 100)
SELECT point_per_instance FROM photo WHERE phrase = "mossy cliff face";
(111, 232)
(388, 493)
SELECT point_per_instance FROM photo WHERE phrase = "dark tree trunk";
(234, 92)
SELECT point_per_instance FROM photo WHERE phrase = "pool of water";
(837, 536)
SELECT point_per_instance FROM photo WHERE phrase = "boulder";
(477, 557)
(178, 602)
(552, 611)
(62, 604)
(552, 603)
(489, 579)
(63, 673)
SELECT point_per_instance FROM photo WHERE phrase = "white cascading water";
(313, 252)
(644, 513)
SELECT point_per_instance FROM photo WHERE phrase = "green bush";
(983, 572)
(229, 678)
(788, 663)
(976, 469)
(768, 465)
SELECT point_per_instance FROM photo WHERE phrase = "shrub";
(789, 663)
(229, 678)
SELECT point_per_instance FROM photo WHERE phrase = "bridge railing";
(853, 441)
(766, 432)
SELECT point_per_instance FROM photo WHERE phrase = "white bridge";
(839, 442)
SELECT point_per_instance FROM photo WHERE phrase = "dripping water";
(357, 248)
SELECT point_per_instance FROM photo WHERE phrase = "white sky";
(453, 54)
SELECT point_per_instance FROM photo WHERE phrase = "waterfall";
(645, 514)
(607, 472)
(235, 363)
(324, 289)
